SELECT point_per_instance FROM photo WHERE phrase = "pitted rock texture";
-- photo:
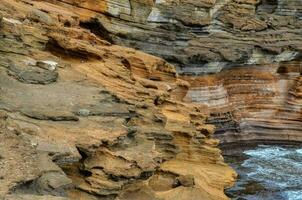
(84, 119)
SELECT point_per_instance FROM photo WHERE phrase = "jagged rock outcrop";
(84, 119)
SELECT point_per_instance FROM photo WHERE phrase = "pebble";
(48, 64)
(83, 112)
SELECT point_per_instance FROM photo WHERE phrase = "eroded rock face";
(252, 48)
(123, 124)
(202, 36)
(113, 118)
(258, 103)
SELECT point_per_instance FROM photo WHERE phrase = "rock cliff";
(116, 99)
(252, 48)
(260, 103)
(204, 36)
(82, 118)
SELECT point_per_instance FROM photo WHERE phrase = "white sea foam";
(278, 169)
(275, 166)
(293, 195)
(299, 151)
(267, 153)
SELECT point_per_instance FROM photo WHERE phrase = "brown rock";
(141, 125)
(186, 180)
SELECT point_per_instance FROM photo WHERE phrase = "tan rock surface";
(252, 48)
(124, 124)
(112, 117)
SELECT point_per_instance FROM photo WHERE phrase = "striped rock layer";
(102, 121)
(252, 48)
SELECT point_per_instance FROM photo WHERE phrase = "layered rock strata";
(121, 123)
(252, 48)
(84, 119)
(203, 36)
(258, 103)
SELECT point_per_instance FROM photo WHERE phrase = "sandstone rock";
(195, 36)
(136, 192)
(40, 16)
(50, 115)
(100, 184)
(33, 197)
(3, 115)
(186, 181)
(18, 161)
(37, 77)
(120, 110)
(252, 92)
(60, 153)
(163, 182)
(53, 183)
(144, 136)
(12, 21)
(32, 75)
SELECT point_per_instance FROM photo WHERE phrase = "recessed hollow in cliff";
(267, 6)
(56, 49)
(96, 27)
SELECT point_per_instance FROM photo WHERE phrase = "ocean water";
(267, 172)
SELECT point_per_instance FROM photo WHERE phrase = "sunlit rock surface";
(90, 119)
(201, 36)
(82, 118)
(252, 48)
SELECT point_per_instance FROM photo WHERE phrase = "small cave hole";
(24, 187)
(282, 70)
(83, 154)
(85, 173)
(67, 24)
(54, 47)
(126, 63)
(96, 27)
(145, 175)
